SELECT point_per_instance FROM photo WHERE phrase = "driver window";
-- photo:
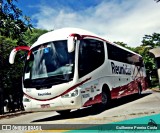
(91, 56)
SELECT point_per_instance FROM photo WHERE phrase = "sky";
(115, 20)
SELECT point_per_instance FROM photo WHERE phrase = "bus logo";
(120, 69)
(42, 94)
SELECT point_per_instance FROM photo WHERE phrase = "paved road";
(121, 109)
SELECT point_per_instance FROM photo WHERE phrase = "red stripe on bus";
(83, 36)
(22, 48)
(70, 89)
(96, 99)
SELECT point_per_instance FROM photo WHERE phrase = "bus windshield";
(49, 63)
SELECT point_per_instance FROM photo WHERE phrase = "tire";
(63, 112)
(105, 99)
(139, 89)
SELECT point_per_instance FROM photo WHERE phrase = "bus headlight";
(74, 93)
(71, 94)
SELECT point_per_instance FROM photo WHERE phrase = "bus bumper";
(59, 103)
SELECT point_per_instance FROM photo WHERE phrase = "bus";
(71, 68)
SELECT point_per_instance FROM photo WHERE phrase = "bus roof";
(62, 34)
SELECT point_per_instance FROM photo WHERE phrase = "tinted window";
(91, 56)
(49, 63)
(121, 55)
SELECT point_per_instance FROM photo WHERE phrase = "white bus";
(72, 68)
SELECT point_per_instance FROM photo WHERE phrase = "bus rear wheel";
(104, 98)
(139, 89)
(64, 112)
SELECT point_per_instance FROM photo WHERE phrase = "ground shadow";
(92, 110)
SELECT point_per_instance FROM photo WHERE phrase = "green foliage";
(13, 23)
(31, 36)
(121, 44)
(10, 74)
(124, 45)
(151, 41)
(148, 42)
(148, 60)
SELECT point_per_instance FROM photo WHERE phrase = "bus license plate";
(45, 106)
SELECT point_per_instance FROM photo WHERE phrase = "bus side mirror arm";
(14, 52)
(71, 42)
(12, 56)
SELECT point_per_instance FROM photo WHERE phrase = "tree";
(121, 44)
(148, 60)
(124, 45)
(13, 25)
(31, 36)
(151, 40)
(148, 42)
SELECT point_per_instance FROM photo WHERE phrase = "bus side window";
(91, 56)
(118, 54)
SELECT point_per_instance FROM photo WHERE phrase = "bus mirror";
(14, 51)
(71, 43)
(12, 56)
